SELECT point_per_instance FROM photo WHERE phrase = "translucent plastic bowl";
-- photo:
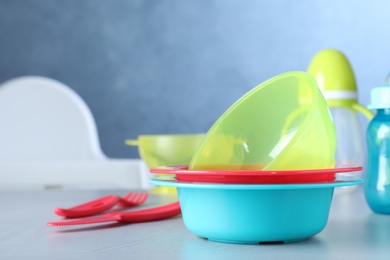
(282, 124)
(174, 149)
(252, 214)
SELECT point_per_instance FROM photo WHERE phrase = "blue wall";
(174, 66)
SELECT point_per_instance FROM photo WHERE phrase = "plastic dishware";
(144, 215)
(282, 124)
(159, 150)
(252, 176)
(102, 204)
(255, 213)
(170, 149)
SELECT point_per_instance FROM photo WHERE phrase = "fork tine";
(134, 199)
(139, 198)
(130, 195)
(143, 196)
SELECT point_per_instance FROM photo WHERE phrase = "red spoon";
(102, 204)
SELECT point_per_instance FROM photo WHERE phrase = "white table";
(352, 232)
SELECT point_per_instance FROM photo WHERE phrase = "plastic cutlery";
(102, 204)
(144, 215)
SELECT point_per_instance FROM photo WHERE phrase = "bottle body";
(377, 179)
(350, 151)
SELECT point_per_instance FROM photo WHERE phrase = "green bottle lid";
(334, 77)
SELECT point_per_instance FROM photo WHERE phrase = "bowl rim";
(253, 176)
(170, 181)
(184, 169)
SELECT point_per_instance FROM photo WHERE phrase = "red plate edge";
(253, 177)
(183, 169)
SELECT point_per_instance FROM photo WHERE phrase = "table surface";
(352, 232)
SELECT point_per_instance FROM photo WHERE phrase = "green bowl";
(161, 150)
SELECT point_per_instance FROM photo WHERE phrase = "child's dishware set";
(267, 168)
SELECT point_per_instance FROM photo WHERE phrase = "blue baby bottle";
(377, 179)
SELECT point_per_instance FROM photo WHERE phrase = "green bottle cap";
(334, 77)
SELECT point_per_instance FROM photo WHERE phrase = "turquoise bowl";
(252, 214)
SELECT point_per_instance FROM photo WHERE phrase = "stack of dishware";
(265, 171)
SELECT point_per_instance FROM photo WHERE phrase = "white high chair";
(48, 139)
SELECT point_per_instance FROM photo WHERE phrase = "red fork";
(100, 205)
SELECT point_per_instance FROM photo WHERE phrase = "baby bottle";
(377, 179)
(336, 80)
